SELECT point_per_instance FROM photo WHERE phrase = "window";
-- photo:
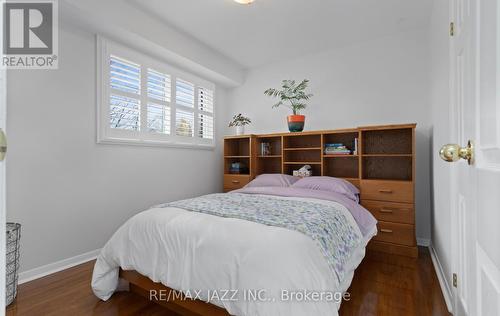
(145, 101)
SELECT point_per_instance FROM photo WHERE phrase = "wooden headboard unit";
(383, 170)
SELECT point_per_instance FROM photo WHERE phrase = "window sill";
(155, 143)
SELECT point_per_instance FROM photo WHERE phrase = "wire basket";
(12, 262)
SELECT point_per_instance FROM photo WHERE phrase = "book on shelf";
(337, 149)
(338, 153)
(265, 149)
(334, 145)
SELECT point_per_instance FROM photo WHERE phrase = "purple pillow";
(329, 184)
(272, 180)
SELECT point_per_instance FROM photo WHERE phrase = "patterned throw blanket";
(327, 225)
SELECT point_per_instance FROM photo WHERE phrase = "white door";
(475, 188)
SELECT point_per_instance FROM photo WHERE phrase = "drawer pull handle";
(386, 211)
(235, 181)
(383, 230)
(385, 191)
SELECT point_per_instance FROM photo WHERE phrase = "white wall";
(381, 81)
(440, 103)
(69, 193)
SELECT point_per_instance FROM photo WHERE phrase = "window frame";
(107, 135)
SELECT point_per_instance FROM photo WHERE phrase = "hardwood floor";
(395, 285)
(383, 285)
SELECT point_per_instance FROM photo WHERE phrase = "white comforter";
(212, 256)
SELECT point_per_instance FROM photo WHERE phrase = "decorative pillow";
(329, 184)
(272, 180)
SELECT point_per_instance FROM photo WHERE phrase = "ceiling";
(269, 30)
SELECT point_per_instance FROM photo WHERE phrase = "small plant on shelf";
(294, 96)
(239, 121)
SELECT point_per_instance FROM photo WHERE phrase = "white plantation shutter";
(125, 76)
(184, 101)
(158, 118)
(159, 85)
(145, 101)
(206, 100)
(184, 93)
(159, 88)
(124, 100)
(124, 113)
(205, 126)
(184, 123)
(205, 117)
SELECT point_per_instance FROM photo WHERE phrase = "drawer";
(235, 181)
(381, 190)
(402, 234)
(391, 211)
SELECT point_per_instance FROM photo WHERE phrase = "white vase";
(240, 130)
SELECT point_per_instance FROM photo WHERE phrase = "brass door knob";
(453, 152)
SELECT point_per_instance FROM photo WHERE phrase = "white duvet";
(226, 260)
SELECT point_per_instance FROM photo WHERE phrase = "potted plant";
(292, 95)
(239, 121)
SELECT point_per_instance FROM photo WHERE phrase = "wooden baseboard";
(177, 303)
(386, 247)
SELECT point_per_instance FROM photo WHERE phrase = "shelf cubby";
(302, 155)
(274, 142)
(288, 168)
(302, 141)
(270, 163)
(387, 168)
(237, 147)
(341, 168)
(391, 141)
(346, 138)
(229, 161)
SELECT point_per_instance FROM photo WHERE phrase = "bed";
(260, 250)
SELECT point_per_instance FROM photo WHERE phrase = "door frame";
(3, 106)
(3, 112)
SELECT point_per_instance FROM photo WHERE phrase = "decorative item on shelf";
(238, 168)
(265, 149)
(292, 95)
(355, 151)
(336, 149)
(239, 121)
(305, 171)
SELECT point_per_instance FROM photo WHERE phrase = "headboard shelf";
(379, 160)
